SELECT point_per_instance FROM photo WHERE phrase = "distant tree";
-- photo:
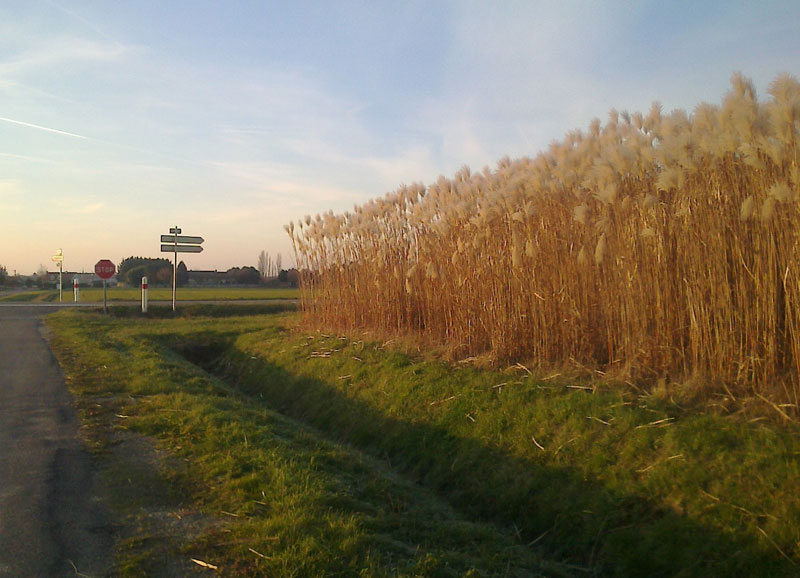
(242, 275)
(132, 269)
(131, 275)
(3, 274)
(183, 274)
(164, 275)
(278, 263)
(283, 276)
(263, 264)
(127, 265)
(41, 276)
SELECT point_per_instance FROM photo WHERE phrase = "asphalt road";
(51, 525)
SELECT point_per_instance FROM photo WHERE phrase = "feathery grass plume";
(608, 194)
(669, 179)
(748, 208)
(600, 250)
(530, 251)
(650, 201)
(581, 213)
(780, 192)
(767, 210)
(583, 256)
(498, 259)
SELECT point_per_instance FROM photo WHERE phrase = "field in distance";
(95, 295)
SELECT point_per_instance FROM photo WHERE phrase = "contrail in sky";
(97, 140)
(44, 128)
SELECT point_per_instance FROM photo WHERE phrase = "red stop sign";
(105, 269)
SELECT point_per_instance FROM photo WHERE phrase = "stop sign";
(105, 269)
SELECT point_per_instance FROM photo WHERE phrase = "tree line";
(159, 271)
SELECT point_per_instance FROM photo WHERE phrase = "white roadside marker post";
(75, 288)
(144, 294)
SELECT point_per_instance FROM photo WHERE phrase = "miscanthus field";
(652, 248)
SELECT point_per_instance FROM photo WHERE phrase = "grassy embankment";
(235, 484)
(95, 295)
(443, 468)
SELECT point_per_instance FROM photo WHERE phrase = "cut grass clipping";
(300, 454)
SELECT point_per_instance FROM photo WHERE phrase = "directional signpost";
(58, 259)
(170, 244)
(105, 269)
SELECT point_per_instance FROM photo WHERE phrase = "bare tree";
(278, 264)
(263, 261)
(41, 275)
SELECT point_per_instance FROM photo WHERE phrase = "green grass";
(190, 294)
(275, 497)
(35, 296)
(516, 470)
(625, 484)
(95, 295)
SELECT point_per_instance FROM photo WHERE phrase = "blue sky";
(121, 119)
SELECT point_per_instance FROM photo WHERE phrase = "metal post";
(144, 294)
(105, 304)
(75, 288)
(175, 267)
(60, 284)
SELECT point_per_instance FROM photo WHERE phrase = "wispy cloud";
(44, 128)
(60, 52)
(8, 190)
(87, 23)
(8, 187)
(90, 209)
(27, 158)
(286, 185)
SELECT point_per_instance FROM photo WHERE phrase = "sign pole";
(169, 244)
(176, 230)
(105, 269)
(58, 258)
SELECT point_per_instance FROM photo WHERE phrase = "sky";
(122, 119)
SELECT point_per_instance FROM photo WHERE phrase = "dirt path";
(50, 522)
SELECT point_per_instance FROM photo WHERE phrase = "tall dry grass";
(653, 245)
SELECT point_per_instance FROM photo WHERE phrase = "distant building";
(86, 279)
